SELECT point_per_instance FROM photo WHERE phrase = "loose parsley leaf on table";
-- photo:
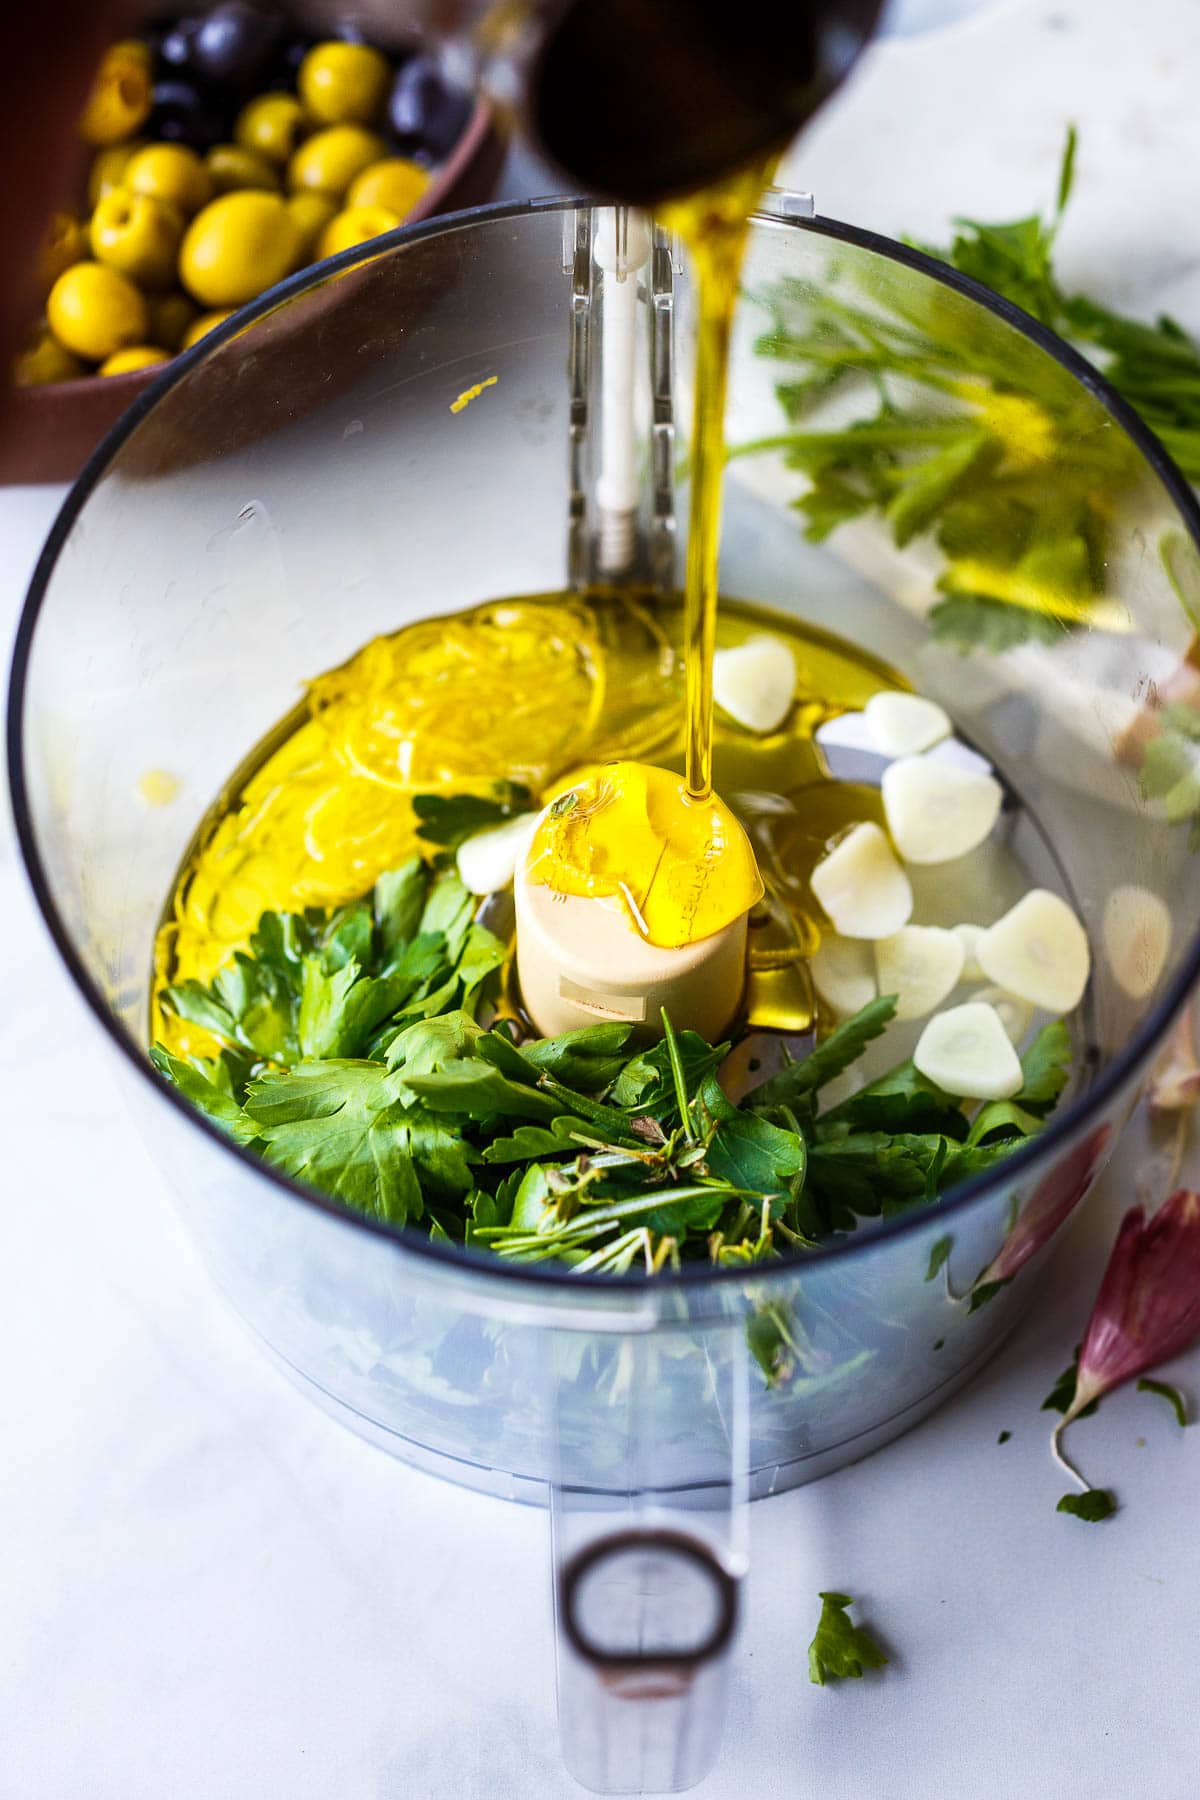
(1168, 1392)
(841, 1650)
(1063, 1392)
(1093, 1506)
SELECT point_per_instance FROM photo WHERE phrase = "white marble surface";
(210, 1592)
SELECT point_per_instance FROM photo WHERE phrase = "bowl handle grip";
(648, 1560)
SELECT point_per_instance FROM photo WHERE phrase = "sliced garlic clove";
(488, 860)
(905, 724)
(756, 683)
(1137, 939)
(1039, 951)
(966, 1051)
(1015, 1014)
(969, 936)
(920, 965)
(861, 887)
(843, 972)
(935, 811)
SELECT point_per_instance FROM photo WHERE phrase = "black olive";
(184, 113)
(424, 110)
(235, 43)
(175, 46)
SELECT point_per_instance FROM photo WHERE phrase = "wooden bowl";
(50, 431)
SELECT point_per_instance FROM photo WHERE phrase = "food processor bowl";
(407, 434)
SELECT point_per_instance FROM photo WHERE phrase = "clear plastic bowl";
(297, 483)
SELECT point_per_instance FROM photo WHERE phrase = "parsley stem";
(679, 1079)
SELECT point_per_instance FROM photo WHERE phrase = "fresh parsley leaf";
(1063, 1392)
(1004, 1437)
(973, 622)
(200, 1082)
(746, 1150)
(1167, 1392)
(590, 1059)
(646, 1084)
(795, 1086)
(449, 819)
(348, 1128)
(903, 1100)
(770, 1339)
(399, 900)
(529, 1141)
(1094, 1505)
(1046, 1066)
(841, 1650)
(983, 1291)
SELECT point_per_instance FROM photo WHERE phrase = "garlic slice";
(935, 811)
(969, 936)
(905, 724)
(966, 1051)
(488, 859)
(843, 972)
(1137, 938)
(920, 965)
(755, 683)
(861, 887)
(1039, 951)
(1015, 1014)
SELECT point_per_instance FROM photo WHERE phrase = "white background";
(210, 1592)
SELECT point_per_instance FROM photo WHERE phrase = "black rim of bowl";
(454, 1259)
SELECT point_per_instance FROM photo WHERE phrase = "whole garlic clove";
(1039, 951)
(966, 1051)
(920, 965)
(843, 972)
(935, 811)
(861, 887)
(755, 683)
(487, 861)
(903, 724)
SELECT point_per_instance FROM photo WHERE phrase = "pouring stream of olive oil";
(551, 691)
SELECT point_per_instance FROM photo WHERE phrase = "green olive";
(43, 360)
(239, 245)
(170, 317)
(108, 168)
(64, 243)
(232, 166)
(344, 84)
(139, 236)
(93, 310)
(357, 225)
(395, 183)
(170, 172)
(327, 162)
(272, 125)
(138, 356)
(120, 99)
(311, 213)
(203, 325)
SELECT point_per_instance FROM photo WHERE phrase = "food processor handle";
(648, 1553)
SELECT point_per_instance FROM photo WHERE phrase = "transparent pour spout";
(649, 1559)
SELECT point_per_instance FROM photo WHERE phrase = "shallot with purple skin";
(1148, 1306)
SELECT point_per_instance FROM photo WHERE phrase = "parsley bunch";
(996, 456)
(355, 1056)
